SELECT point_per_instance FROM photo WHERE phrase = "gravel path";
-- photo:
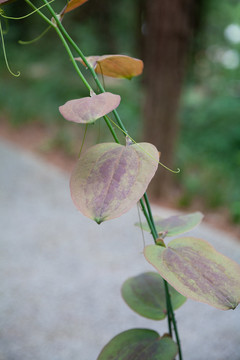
(61, 274)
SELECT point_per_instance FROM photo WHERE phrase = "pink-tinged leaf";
(174, 225)
(196, 270)
(71, 5)
(4, 2)
(110, 178)
(89, 109)
(139, 344)
(117, 66)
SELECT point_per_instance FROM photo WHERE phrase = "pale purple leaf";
(174, 225)
(89, 109)
(196, 270)
(3, 2)
(110, 178)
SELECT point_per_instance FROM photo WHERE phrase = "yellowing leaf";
(117, 66)
(89, 109)
(71, 5)
(174, 225)
(196, 270)
(110, 178)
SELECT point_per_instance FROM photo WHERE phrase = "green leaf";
(89, 109)
(196, 270)
(71, 5)
(175, 225)
(145, 294)
(110, 178)
(117, 66)
(139, 344)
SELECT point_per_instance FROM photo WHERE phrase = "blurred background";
(61, 273)
(186, 102)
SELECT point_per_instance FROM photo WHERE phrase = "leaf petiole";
(5, 55)
(24, 16)
(36, 39)
(125, 133)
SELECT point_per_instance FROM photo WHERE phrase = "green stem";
(24, 16)
(170, 313)
(59, 32)
(79, 52)
(83, 141)
(45, 18)
(111, 129)
(151, 226)
(168, 301)
(65, 44)
(73, 60)
(28, 42)
(5, 54)
(155, 236)
(148, 214)
(175, 330)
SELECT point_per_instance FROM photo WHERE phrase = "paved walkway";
(61, 274)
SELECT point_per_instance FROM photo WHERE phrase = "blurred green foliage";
(48, 79)
(209, 144)
(208, 150)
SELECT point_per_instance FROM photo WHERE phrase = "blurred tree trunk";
(169, 26)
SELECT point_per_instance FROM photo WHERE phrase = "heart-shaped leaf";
(71, 5)
(89, 109)
(110, 178)
(174, 225)
(145, 294)
(117, 66)
(196, 270)
(139, 344)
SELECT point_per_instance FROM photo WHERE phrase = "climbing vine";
(111, 178)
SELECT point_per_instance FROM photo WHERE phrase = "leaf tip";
(98, 220)
(233, 307)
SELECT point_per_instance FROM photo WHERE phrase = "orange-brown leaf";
(117, 66)
(71, 5)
